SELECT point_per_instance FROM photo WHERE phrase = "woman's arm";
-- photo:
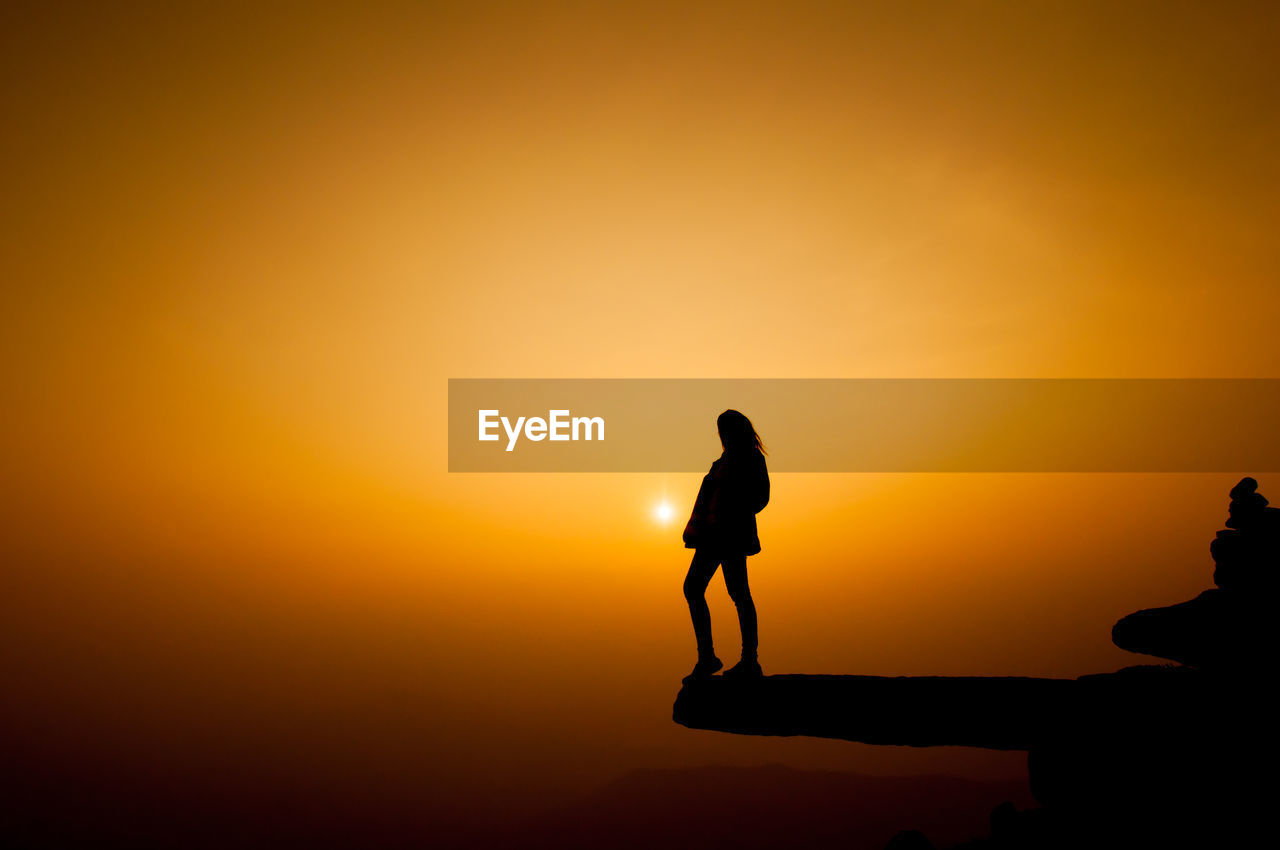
(761, 490)
(702, 508)
(746, 489)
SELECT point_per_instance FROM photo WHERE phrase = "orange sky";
(246, 247)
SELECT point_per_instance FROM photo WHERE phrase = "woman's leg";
(735, 580)
(701, 569)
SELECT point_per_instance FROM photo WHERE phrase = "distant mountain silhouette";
(754, 808)
(1153, 756)
(52, 807)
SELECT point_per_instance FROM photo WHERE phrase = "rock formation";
(1226, 626)
(1157, 756)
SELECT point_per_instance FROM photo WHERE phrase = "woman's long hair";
(737, 432)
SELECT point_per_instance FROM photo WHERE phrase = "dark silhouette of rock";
(925, 711)
(1228, 625)
(1139, 754)
(1246, 555)
(1152, 756)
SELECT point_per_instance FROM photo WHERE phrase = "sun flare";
(664, 512)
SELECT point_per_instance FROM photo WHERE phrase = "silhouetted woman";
(722, 533)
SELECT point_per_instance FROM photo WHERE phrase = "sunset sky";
(245, 245)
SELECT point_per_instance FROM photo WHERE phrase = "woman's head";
(737, 432)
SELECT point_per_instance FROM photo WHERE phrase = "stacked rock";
(1247, 556)
(1227, 626)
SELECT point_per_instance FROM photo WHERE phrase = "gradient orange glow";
(245, 248)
